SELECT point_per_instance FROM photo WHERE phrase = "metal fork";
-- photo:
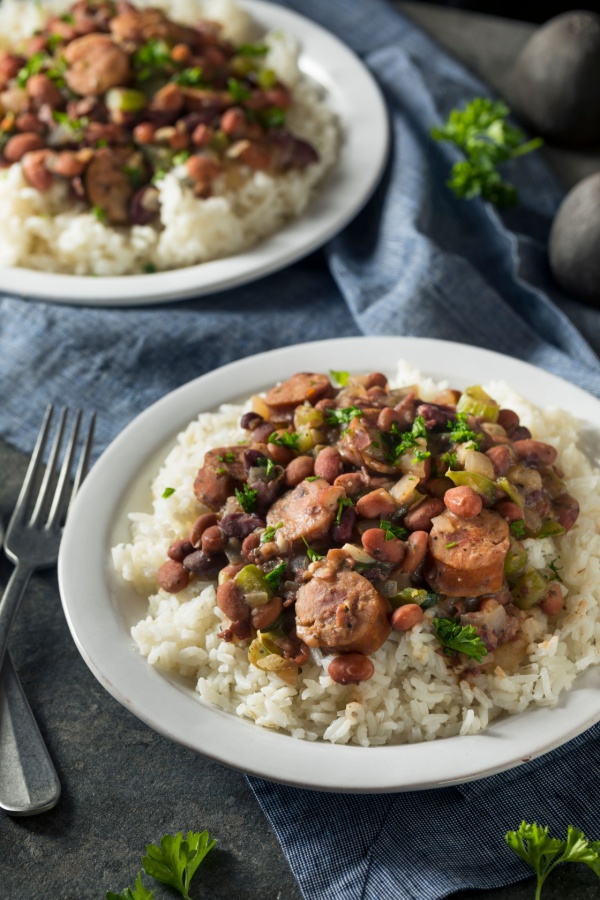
(28, 781)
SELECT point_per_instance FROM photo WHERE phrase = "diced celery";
(479, 483)
(308, 439)
(529, 589)
(125, 100)
(424, 599)
(510, 490)
(267, 78)
(476, 401)
(252, 582)
(516, 559)
(550, 528)
(306, 416)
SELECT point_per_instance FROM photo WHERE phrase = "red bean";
(181, 53)
(375, 379)
(169, 99)
(281, 455)
(552, 602)
(388, 417)
(566, 510)
(263, 616)
(352, 482)
(231, 570)
(414, 551)
(202, 135)
(200, 526)
(230, 601)
(407, 616)
(20, 144)
(328, 464)
(508, 419)
(213, 540)
(375, 543)
(419, 519)
(535, 453)
(376, 504)
(144, 133)
(298, 469)
(179, 550)
(509, 510)
(350, 668)
(501, 458)
(233, 122)
(42, 90)
(330, 497)
(463, 502)
(249, 544)
(172, 576)
(35, 171)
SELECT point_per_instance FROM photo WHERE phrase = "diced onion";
(358, 554)
(403, 490)
(479, 463)
(259, 406)
(256, 598)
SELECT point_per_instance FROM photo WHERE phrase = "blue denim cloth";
(416, 261)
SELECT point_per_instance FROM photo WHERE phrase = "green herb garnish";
(252, 50)
(460, 432)
(189, 77)
(313, 477)
(396, 443)
(481, 131)
(343, 503)
(269, 533)
(99, 213)
(139, 892)
(227, 457)
(68, 18)
(149, 268)
(312, 554)
(168, 492)
(273, 117)
(342, 416)
(450, 459)
(462, 638)
(151, 59)
(273, 578)
(33, 65)
(517, 529)
(392, 531)
(76, 126)
(543, 853)
(175, 861)
(342, 378)
(451, 544)
(555, 569)
(285, 439)
(246, 497)
(237, 90)
(135, 175)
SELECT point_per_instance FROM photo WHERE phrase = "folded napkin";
(416, 261)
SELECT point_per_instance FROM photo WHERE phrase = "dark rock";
(575, 239)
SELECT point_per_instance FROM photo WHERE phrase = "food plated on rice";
(346, 561)
(138, 138)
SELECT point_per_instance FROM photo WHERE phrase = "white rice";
(412, 696)
(52, 232)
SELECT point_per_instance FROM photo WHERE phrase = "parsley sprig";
(343, 503)
(543, 853)
(462, 638)
(460, 433)
(285, 439)
(481, 131)
(273, 578)
(246, 497)
(342, 416)
(396, 443)
(139, 892)
(312, 554)
(392, 531)
(269, 533)
(517, 529)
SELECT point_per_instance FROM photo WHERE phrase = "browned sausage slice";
(222, 472)
(301, 388)
(95, 64)
(107, 186)
(342, 612)
(301, 513)
(466, 556)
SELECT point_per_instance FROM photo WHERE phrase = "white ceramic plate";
(100, 611)
(355, 97)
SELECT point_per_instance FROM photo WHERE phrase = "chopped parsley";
(269, 533)
(342, 378)
(227, 457)
(396, 443)
(517, 529)
(237, 90)
(221, 471)
(149, 268)
(246, 497)
(313, 477)
(555, 569)
(451, 544)
(189, 77)
(33, 65)
(135, 175)
(342, 416)
(252, 50)
(392, 531)
(181, 157)
(312, 554)
(273, 117)
(462, 638)
(451, 460)
(54, 40)
(99, 213)
(151, 59)
(343, 503)
(75, 126)
(168, 491)
(273, 578)
(533, 844)
(285, 439)
(460, 432)
(68, 18)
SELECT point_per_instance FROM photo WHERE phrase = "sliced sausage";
(342, 612)
(466, 556)
(305, 387)
(95, 64)
(222, 472)
(301, 513)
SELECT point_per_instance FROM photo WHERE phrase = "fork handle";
(10, 602)
(28, 780)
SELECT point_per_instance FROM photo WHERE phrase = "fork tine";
(33, 468)
(84, 461)
(46, 486)
(60, 494)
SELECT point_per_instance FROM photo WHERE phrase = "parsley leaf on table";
(139, 892)
(175, 861)
(462, 638)
(543, 853)
(481, 131)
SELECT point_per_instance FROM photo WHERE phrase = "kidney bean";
(240, 525)
(281, 455)
(242, 630)
(252, 154)
(270, 550)
(230, 601)
(376, 504)
(436, 416)
(407, 616)
(501, 457)
(262, 432)
(233, 122)
(414, 551)
(350, 668)
(509, 510)
(552, 602)
(520, 434)
(300, 468)
(388, 417)
(213, 540)
(375, 379)
(173, 577)
(330, 497)
(566, 510)
(144, 205)
(20, 144)
(352, 482)
(437, 487)
(199, 527)
(179, 550)
(200, 562)
(419, 519)
(375, 543)
(67, 164)
(263, 616)
(42, 89)
(202, 135)
(250, 421)
(181, 53)
(508, 419)
(35, 171)
(535, 453)
(231, 570)
(169, 99)
(463, 502)
(342, 532)
(249, 545)
(144, 133)
(328, 464)
(27, 121)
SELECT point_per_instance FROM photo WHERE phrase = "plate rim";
(300, 237)
(348, 773)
